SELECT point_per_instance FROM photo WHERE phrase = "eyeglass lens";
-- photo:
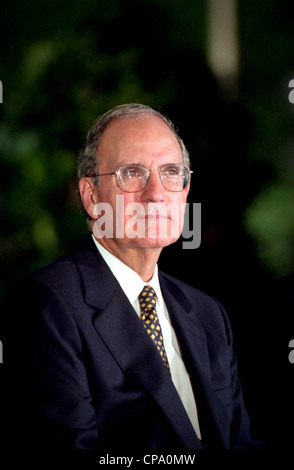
(132, 178)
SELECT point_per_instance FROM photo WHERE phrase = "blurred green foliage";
(270, 220)
(63, 64)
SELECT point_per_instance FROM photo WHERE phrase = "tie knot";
(147, 298)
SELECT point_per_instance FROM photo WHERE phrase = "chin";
(152, 242)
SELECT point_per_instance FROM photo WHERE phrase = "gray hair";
(88, 163)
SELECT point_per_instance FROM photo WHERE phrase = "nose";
(154, 190)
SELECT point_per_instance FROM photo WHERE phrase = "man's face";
(153, 216)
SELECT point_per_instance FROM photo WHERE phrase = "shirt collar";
(131, 283)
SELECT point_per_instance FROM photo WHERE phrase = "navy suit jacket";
(86, 375)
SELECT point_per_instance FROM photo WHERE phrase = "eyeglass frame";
(117, 172)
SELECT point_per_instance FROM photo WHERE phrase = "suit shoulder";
(192, 293)
(64, 270)
(56, 272)
(202, 307)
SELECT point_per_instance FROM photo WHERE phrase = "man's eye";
(131, 172)
(171, 171)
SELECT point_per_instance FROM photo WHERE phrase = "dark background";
(64, 63)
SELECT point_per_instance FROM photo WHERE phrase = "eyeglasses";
(133, 178)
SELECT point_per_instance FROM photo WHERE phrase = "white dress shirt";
(132, 285)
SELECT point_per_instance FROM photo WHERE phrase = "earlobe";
(88, 195)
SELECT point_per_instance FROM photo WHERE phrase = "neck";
(139, 259)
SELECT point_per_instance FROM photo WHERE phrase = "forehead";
(146, 136)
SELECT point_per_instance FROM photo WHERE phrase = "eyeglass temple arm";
(115, 172)
(102, 174)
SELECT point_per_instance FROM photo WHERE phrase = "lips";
(156, 217)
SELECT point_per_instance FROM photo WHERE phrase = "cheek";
(108, 194)
(178, 200)
(177, 208)
(124, 206)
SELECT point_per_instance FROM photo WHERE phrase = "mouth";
(156, 217)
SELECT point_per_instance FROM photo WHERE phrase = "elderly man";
(118, 354)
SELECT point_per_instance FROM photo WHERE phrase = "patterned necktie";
(148, 315)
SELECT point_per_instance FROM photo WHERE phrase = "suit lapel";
(134, 352)
(193, 344)
(139, 359)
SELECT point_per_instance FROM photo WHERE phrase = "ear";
(88, 195)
